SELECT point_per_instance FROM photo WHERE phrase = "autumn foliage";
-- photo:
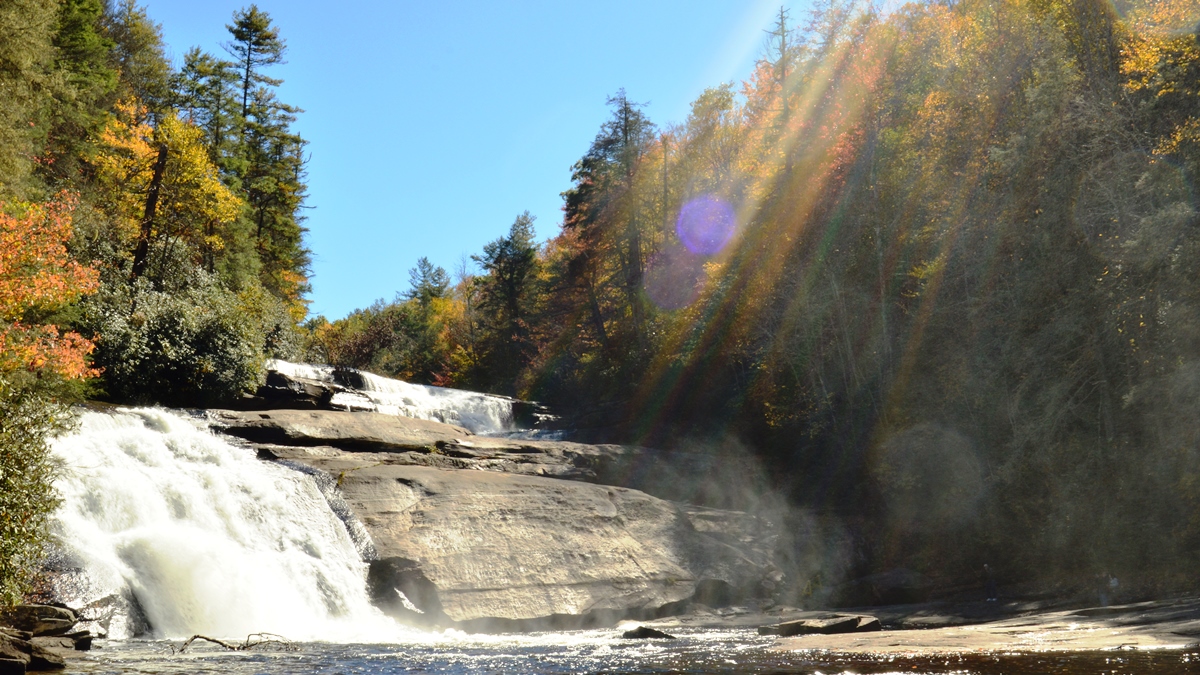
(36, 275)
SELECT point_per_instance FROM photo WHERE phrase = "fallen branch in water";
(253, 641)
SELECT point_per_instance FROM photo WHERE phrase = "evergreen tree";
(205, 92)
(138, 55)
(269, 158)
(427, 282)
(510, 265)
(28, 80)
(255, 45)
(83, 60)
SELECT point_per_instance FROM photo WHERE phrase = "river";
(732, 652)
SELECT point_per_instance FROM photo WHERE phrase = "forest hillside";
(929, 273)
(928, 277)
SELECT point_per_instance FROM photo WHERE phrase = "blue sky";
(431, 125)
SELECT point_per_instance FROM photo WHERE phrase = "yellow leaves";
(192, 197)
(123, 160)
(1185, 134)
(929, 269)
(1156, 57)
(192, 194)
(1163, 18)
(292, 286)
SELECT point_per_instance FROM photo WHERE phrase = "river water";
(730, 652)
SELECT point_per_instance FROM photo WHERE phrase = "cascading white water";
(208, 538)
(479, 413)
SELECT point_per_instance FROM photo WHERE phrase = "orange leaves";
(44, 348)
(36, 273)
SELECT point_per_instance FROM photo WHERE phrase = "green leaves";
(27, 496)
(200, 345)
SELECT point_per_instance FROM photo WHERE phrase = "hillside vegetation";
(932, 271)
(151, 238)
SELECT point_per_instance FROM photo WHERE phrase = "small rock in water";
(645, 632)
(82, 639)
(825, 626)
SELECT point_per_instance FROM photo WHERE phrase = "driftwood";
(253, 641)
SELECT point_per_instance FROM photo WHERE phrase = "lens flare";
(673, 278)
(705, 225)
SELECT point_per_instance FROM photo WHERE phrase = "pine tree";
(427, 282)
(255, 45)
(510, 265)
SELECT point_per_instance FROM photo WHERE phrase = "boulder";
(488, 550)
(281, 390)
(41, 659)
(646, 633)
(13, 650)
(827, 625)
(21, 656)
(81, 641)
(40, 619)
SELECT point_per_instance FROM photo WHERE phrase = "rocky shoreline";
(37, 638)
(949, 628)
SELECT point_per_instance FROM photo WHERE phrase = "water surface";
(729, 652)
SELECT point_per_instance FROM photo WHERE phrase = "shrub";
(27, 497)
(200, 346)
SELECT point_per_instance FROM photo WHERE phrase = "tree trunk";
(141, 253)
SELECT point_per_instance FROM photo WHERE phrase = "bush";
(199, 346)
(28, 417)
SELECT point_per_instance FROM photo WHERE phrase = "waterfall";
(479, 413)
(203, 536)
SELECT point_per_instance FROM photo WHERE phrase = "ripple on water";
(697, 651)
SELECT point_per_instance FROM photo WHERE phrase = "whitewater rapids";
(476, 412)
(207, 538)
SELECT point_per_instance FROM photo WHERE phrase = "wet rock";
(22, 656)
(117, 614)
(399, 587)
(828, 625)
(40, 619)
(13, 650)
(646, 633)
(345, 430)
(81, 640)
(485, 550)
(41, 659)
